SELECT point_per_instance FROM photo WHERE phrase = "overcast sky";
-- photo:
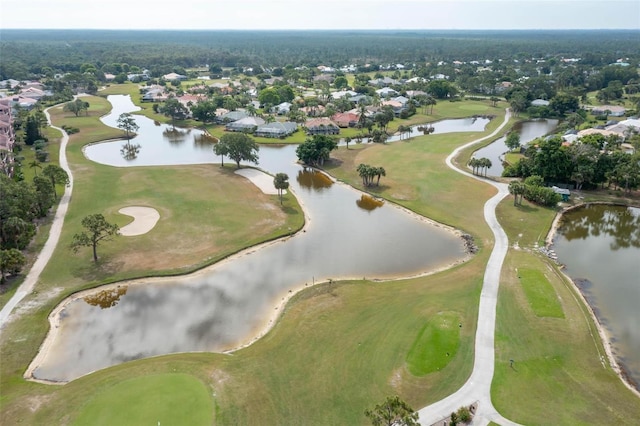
(320, 14)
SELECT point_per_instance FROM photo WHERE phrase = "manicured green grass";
(553, 356)
(165, 399)
(435, 345)
(540, 294)
(527, 224)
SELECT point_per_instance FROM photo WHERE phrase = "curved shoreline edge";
(605, 339)
(270, 321)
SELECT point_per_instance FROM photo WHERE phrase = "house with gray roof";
(386, 92)
(276, 129)
(247, 124)
(231, 116)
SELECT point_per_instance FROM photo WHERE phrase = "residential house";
(612, 110)
(342, 93)
(539, 102)
(34, 93)
(345, 119)
(22, 102)
(503, 86)
(283, 108)
(247, 124)
(276, 129)
(398, 107)
(321, 126)
(384, 82)
(174, 76)
(231, 116)
(155, 94)
(414, 93)
(9, 84)
(386, 92)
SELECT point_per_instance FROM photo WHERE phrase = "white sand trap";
(260, 179)
(144, 219)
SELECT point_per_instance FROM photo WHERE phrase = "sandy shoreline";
(281, 300)
(618, 367)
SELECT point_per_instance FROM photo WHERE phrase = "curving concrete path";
(54, 234)
(477, 388)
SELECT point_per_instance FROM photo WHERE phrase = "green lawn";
(560, 367)
(168, 399)
(540, 294)
(435, 345)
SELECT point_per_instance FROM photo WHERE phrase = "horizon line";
(322, 29)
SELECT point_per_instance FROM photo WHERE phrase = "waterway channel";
(231, 303)
(600, 246)
(528, 131)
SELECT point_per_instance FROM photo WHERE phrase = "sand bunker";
(144, 219)
(260, 179)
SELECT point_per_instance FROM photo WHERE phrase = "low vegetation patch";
(540, 294)
(436, 344)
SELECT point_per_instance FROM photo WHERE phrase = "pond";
(231, 303)
(528, 130)
(600, 246)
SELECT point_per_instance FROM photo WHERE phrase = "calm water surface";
(229, 303)
(600, 245)
(528, 130)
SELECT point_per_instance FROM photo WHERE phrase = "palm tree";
(35, 164)
(281, 182)
(380, 171)
(347, 140)
(364, 171)
(430, 101)
(516, 188)
(474, 164)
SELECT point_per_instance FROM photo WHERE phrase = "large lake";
(229, 304)
(600, 245)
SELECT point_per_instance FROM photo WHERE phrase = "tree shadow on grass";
(528, 208)
(88, 270)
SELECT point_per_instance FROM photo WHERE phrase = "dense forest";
(27, 52)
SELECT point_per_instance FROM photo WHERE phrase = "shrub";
(42, 156)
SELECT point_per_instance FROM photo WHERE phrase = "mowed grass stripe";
(540, 294)
(435, 345)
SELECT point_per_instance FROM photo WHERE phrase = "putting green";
(163, 399)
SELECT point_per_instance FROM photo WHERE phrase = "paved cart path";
(54, 234)
(477, 389)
